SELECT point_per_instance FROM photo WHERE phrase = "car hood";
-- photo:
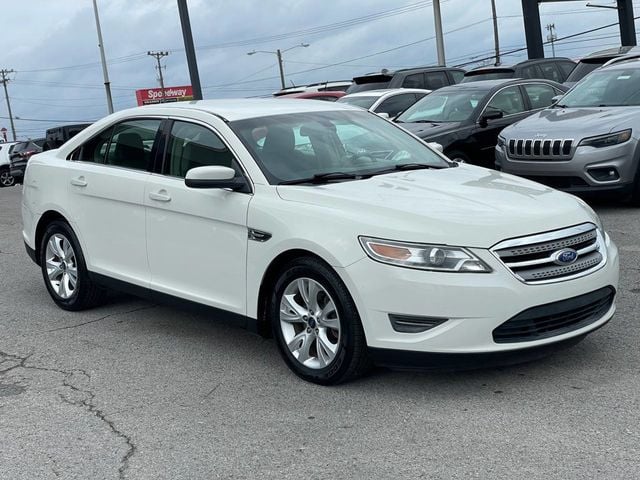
(464, 205)
(576, 123)
(430, 130)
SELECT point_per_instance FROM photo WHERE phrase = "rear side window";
(414, 81)
(396, 104)
(540, 95)
(566, 68)
(435, 80)
(550, 72)
(191, 146)
(530, 71)
(127, 144)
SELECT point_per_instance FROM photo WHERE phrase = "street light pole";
(437, 18)
(105, 73)
(278, 54)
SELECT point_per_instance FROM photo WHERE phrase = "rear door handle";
(79, 182)
(161, 196)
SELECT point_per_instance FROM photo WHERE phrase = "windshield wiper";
(559, 105)
(319, 178)
(435, 122)
(400, 167)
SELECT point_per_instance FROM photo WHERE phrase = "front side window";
(299, 146)
(191, 146)
(540, 95)
(508, 101)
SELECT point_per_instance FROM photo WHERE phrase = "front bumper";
(578, 174)
(473, 304)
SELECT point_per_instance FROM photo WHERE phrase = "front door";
(197, 238)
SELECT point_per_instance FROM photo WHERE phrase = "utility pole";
(190, 49)
(551, 37)
(4, 74)
(158, 56)
(105, 73)
(437, 18)
(496, 40)
(281, 67)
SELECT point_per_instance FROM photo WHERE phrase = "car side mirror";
(436, 146)
(490, 115)
(215, 176)
(556, 99)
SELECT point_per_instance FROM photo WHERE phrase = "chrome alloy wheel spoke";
(310, 323)
(61, 267)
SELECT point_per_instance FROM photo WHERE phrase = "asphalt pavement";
(142, 391)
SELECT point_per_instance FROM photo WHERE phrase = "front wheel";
(6, 179)
(316, 324)
(64, 269)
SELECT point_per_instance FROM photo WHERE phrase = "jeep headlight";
(501, 141)
(606, 140)
(441, 258)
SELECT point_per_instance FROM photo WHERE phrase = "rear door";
(106, 180)
(197, 238)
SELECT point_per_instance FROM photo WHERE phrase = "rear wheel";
(316, 324)
(64, 269)
(6, 179)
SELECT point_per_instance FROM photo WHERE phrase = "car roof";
(390, 73)
(509, 68)
(324, 93)
(233, 109)
(611, 53)
(623, 63)
(380, 92)
(488, 84)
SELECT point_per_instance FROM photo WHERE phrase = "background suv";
(588, 141)
(556, 69)
(428, 78)
(390, 102)
(21, 154)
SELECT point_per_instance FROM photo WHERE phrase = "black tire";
(458, 156)
(6, 180)
(351, 359)
(86, 293)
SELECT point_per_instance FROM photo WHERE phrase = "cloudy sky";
(52, 45)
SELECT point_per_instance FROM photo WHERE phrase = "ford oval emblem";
(566, 256)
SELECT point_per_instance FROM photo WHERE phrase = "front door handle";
(79, 182)
(161, 196)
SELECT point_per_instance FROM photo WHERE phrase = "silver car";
(587, 142)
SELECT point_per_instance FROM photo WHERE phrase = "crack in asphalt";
(68, 327)
(86, 402)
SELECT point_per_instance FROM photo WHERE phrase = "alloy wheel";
(310, 323)
(6, 179)
(61, 266)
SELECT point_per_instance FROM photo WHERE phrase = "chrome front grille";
(540, 258)
(540, 149)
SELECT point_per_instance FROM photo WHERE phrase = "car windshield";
(606, 88)
(454, 105)
(359, 101)
(300, 146)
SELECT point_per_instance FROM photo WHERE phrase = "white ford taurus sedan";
(349, 239)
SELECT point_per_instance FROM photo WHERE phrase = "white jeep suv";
(347, 238)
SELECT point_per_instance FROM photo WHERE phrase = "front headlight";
(606, 140)
(501, 141)
(439, 258)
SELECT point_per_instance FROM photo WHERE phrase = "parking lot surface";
(143, 391)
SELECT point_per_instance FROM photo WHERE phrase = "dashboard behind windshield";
(296, 146)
